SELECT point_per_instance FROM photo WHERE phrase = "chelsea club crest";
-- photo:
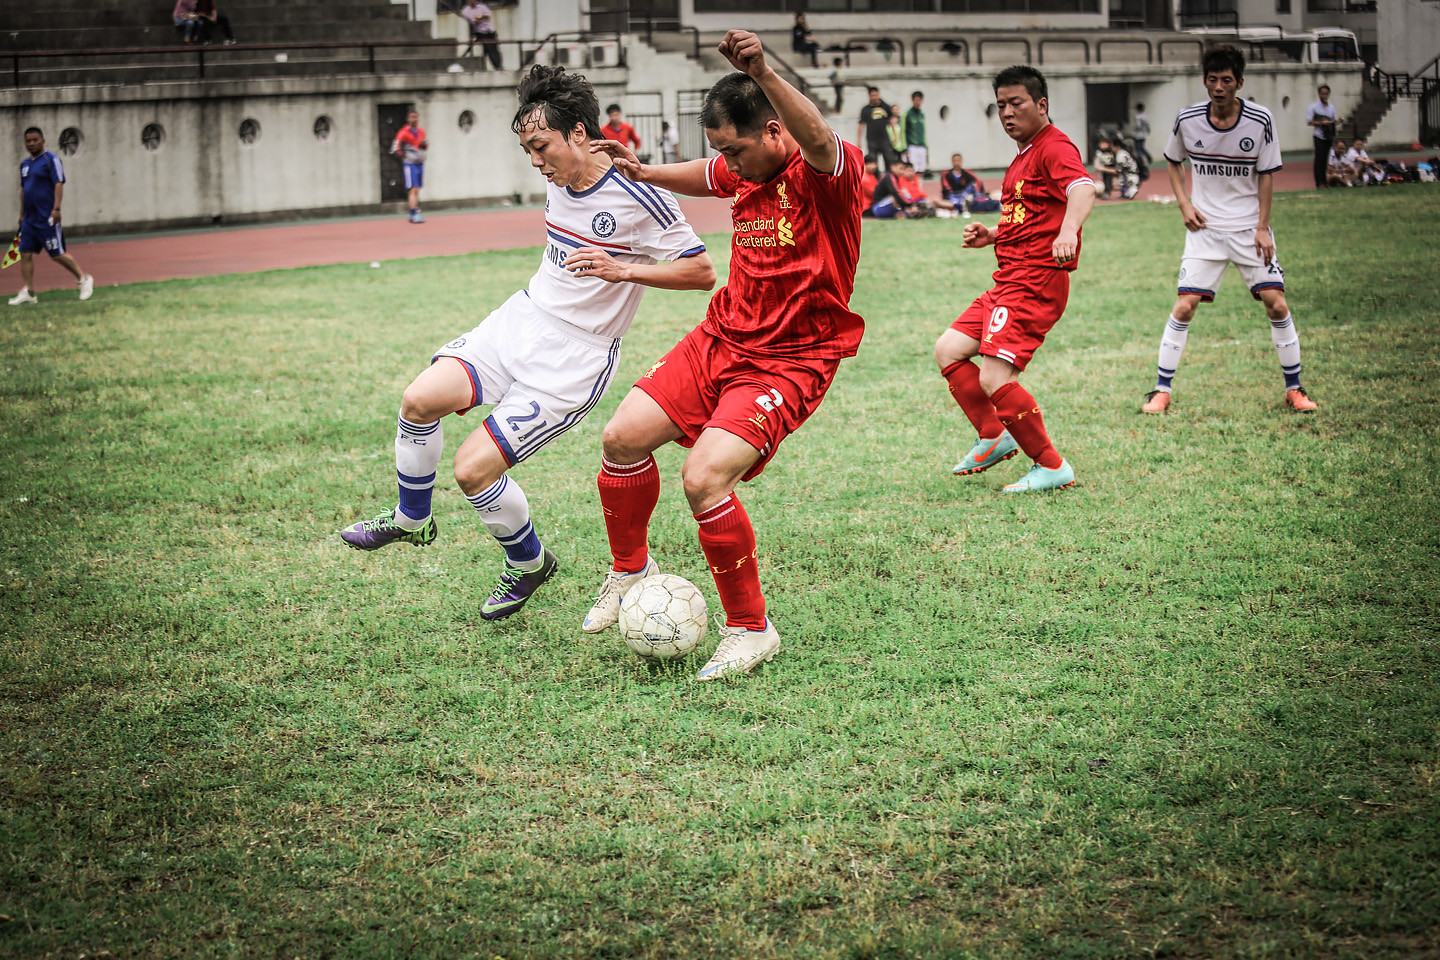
(1247, 144)
(603, 224)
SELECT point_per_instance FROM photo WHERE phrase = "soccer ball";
(663, 617)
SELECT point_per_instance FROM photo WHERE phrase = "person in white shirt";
(1367, 171)
(1323, 119)
(482, 31)
(669, 143)
(1234, 154)
(545, 357)
(1338, 171)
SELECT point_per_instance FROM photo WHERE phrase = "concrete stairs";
(81, 25)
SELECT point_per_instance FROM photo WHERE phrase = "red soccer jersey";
(792, 259)
(1032, 201)
(622, 133)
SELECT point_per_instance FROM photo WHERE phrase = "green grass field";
(1188, 708)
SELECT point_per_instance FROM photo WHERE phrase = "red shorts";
(706, 382)
(1011, 318)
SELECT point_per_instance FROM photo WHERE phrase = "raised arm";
(818, 143)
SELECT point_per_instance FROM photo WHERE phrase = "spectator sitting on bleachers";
(208, 16)
(185, 19)
(802, 42)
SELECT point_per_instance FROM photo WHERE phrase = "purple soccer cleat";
(382, 530)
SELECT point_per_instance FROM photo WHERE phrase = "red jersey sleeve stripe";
(589, 241)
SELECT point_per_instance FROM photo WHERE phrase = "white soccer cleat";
(740, 651)
(87, 287)
(606, 611)
(24, 296)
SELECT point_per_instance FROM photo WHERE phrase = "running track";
(174, 255)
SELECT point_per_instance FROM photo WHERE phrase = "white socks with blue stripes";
(505, 512)
(417, 455)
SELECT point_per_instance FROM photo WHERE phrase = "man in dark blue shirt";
(42, 188)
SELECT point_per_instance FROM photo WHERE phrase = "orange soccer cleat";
(1297, 398)
(1156, 401)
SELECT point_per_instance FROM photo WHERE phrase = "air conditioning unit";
(605, 53)
(570, 55)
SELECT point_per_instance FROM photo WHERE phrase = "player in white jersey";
(1233, 154)
(546, 356)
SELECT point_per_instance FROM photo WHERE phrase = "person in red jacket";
(618, 130)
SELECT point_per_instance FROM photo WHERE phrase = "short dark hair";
(917, 93)
(614, 108)
(1023, 75)
(1139, 106)
(1323, 86)
(1222, 58)
(35, 130)
(562, 100)
(872, 89)
(737, 100)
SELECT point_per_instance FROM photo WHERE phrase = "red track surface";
(169, 256)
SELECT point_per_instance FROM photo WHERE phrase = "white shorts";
(1208, 251)
(542, 374)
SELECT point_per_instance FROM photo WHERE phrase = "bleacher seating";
(88, 25)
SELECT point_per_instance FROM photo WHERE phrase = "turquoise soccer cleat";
(985, 454)
(1043, 478)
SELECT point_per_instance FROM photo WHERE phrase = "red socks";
(628, 494)
(729, 544)
(964, 380)
(1020, 414)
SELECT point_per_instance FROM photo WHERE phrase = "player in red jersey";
(1045, 199)
(760, 363)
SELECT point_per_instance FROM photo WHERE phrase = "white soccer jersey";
(633, 222)
(1225, 164)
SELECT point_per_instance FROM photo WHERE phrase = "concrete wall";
(203, 173)
(1409, 34)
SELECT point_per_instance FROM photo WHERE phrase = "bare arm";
(1194, 219)
(59, 196)
(687, 273)
(801, 118)
(1264, 239)
(686, 177)
(1077, 208)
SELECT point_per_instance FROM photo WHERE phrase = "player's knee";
(705, 484)
(618, 443)
(1184, 311)
(418, 405)
(1277, 308)
(992, 379)
(475, 474)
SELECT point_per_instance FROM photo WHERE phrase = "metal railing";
(220, 53)
(882, 45)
